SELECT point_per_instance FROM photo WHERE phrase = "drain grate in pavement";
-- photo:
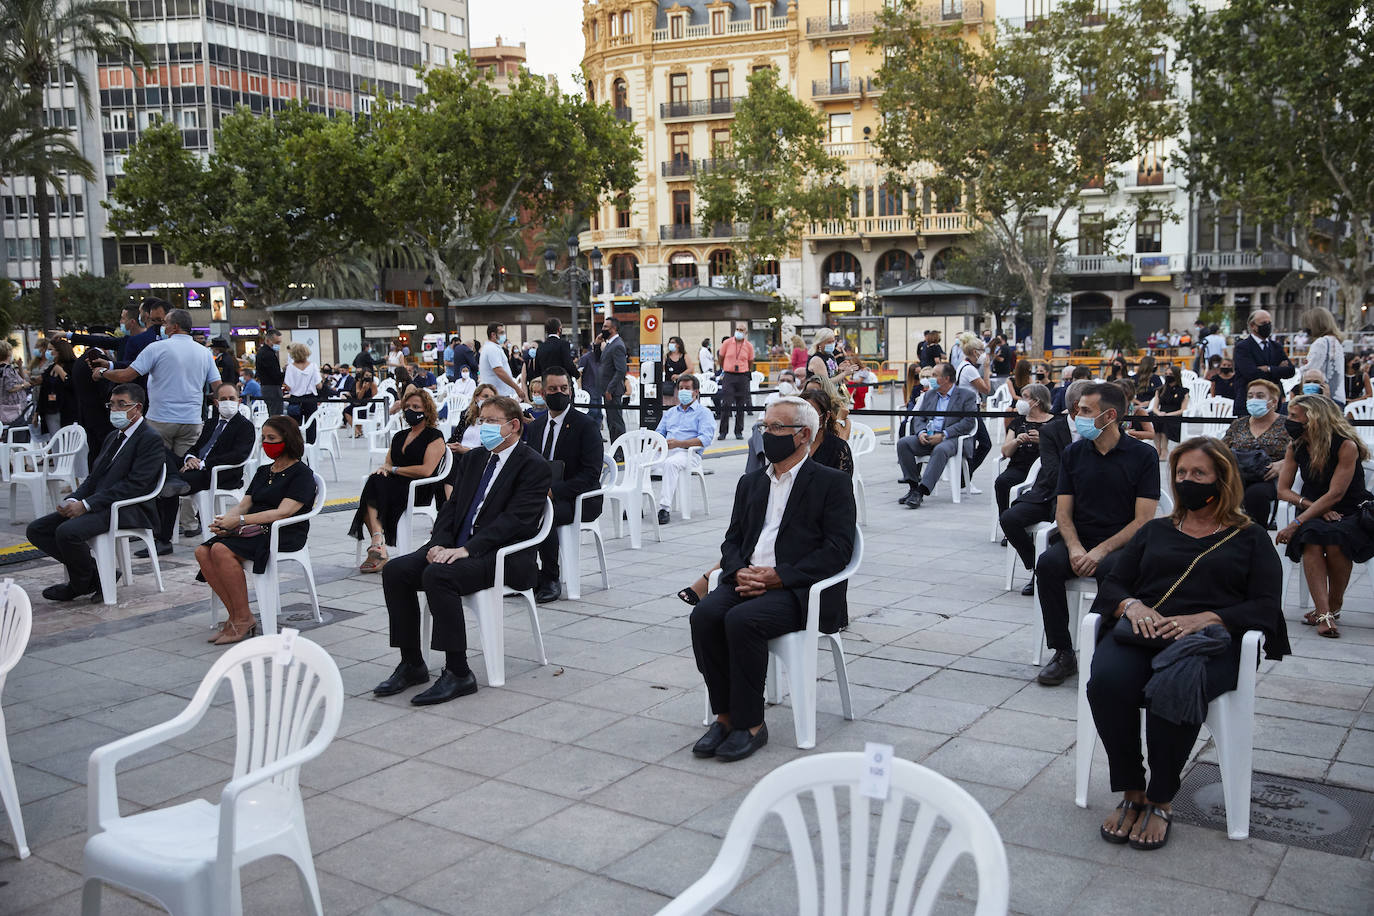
(1283, 809)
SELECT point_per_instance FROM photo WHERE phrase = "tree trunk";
(1352, 298)
(47, 299)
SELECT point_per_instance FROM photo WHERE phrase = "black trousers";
(65, 540)
(1116, 693)
(1259, 500)
(982, 445)
(730, 639)
(615, 417)
(1052, 573)
(444, 584)
(734, 395)
(168, 506)
(1009, 478)
(272, 395)
(1019, 516)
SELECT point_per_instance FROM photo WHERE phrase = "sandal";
(376, 559)
(1329, 621)
(231, 634)
(689, 595)
(1125, 807)
(1154, 811)
(1311, 617)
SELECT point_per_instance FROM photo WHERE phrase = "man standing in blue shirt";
(154, 312)
(686, 426)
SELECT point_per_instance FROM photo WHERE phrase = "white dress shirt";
(779, 490)
(550, 441)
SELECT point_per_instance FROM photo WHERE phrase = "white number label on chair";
(287, 650)
(876, 778)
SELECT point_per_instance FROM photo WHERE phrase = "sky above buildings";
(551, 30)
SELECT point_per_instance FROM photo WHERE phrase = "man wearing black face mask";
(1259, 356)
(792, 526)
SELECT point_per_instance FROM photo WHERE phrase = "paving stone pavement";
(573, 789)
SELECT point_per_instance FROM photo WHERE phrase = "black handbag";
(1126, 635)
(1365, 513)
(1253, 463)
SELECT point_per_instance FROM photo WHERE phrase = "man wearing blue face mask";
(1108, 488)
(687, 426)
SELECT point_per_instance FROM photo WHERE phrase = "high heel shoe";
(231, 634)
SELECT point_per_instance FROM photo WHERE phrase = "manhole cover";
(1295, 812)
(302, 616)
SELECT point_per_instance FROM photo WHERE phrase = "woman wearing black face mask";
(1357, 386)
(364, 390)
(1325, 535)
(1191, 584)
(415, 454)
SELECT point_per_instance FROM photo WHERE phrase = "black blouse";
(268, 488)
(1241, 581)
(833, 452)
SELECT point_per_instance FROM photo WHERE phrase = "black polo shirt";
(1105, 487)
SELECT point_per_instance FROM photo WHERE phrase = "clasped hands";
(437, 554)
(71, 508)
(752, 581)
(1145, 621)
(220, 524)
(1084, 562)
(929, 438)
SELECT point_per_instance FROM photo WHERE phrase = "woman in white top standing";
(973, 374)
(1326, 354)
(706, 359)
(301, 382)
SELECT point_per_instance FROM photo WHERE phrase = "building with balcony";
(501, 62)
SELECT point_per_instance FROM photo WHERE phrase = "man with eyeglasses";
(686, 426)
(499, 500)
(128, 465)
(792, 526)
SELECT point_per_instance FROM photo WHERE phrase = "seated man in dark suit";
(572, 443)
(498, 500)
(792, 526)
(127, 466)
(226, 440)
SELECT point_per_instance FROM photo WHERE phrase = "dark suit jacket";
(1249, 354)
(130, 473)
(269, 369)
(228, 368)
(511, 512)
(611, 370)
(579, 447)
(554, 351)
(463, 356)
(231, 448)
(1054, 438)
(815, 540)
(960, 400)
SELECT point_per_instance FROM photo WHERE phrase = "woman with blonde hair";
(1325, 534)
(798, 362)
(1325, 353)
(839, 400)
(302, 381)
(824, 352)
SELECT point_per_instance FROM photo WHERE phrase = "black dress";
(1170, 398)
(388, 494)
(268, 488)
(1019, 464)
(673, 369)
(1346, 533)
(833, 452)
(56, 396)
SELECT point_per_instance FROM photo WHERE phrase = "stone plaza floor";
(572, 789)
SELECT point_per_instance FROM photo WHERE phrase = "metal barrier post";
(892, 414)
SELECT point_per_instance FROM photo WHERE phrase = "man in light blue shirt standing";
(686, 426)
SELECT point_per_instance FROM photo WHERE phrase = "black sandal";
(689, 595)
(1154, 811)
(1124, 807)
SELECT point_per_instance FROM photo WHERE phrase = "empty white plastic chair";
(862, 441)
(259, 413)
(10, 443)
(570, 536)
(896, 833)
(644, 450)
(43, 469)
(267, 584)
(16, 622)
(112, 546)
(287, 698)
(317, 451)
(1230, 720)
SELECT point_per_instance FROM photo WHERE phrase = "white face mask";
(786, 389)
(228, 409)
(1023, 408)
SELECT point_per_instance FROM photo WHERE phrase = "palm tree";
(44, 40)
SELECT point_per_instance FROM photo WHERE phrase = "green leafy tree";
(278, 197)
(465, 166)
(980, 262)
(775, 178)
(1282, 122)
(1114, 336)
(84, 299)
(1026, 120)
(41, 40)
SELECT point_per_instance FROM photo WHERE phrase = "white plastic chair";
(796, 651)
(16, 622)
(488, 606)
(841, 880)
(44, 468)
(1216, 408)
(107, 544)
(379, 439)
(267, 584)
(1199, 390)
(404, 525)
(1230, 720)
(579, 397)
(570, 536)
(955, 466)
(288, 697)
(682, 498)
(1188, 376)
(644, 450)
(1085, 590)
(259, 413)
(10, 444)
(862, 441)
(316, 451)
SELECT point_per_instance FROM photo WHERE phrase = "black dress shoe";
(902, 500)
(1062, 667)
(715, 736)
(405, 675)
(740, 744)
(548, 592)
(913, 501)
(191, 533)
(163, 548)
(449, 686)
(66, 592)
(663, 516)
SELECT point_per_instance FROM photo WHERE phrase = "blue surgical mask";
(491, 436)
(538, 400)
(1087, 427)
(501, 338)
(684, 396)
(830, 348)
(1311, 388)
(739, 335)
(530, 351)
(119, 418)
(1257, 407)
(928, 383)
(49, 354)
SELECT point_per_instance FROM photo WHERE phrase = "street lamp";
(574, 275)
(918, 260)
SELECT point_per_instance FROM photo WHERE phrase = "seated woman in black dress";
(415, 453)
(1325, 535)
(1170, 403)
(364, 390)
(828, 448)
(1021, 447)
(280, 489)
(1194, 581)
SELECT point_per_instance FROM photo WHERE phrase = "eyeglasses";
(111, 405)
(777, 428)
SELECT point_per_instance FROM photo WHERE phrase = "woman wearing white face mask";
(1021, 447)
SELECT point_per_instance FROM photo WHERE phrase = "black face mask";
(778, 447)
(558, 401)
(1193, 495)
(1294, 428)
(414, 417)
(1226, 370)
(1264, 329)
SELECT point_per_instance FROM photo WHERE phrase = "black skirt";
(1345, 534)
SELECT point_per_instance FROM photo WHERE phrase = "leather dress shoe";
(549, 591)
(740, 744)
(192, 533)
(913, 501)
(663, 516)
(64, 591)
(163, 549)
(1061, 668)
(405, 675)
(449, 686)
(715, 735)
(1029, 588)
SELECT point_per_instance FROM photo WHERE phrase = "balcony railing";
(680, 231)
(1151, 178)
(610, 238)
(854, 149)
(1242, 260)
(624, 114)
(1097, 264)
(848, 24)
(685, 168)
(850, 85)
(733, 27)
(904, 224)
(698, 108)
(946, 223)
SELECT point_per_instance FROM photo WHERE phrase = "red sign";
(651, 323)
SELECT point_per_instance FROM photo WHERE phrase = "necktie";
(550, 439)
(118, 441)
(214, 437)
(465, 531)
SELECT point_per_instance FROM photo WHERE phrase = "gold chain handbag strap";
(1196, 559)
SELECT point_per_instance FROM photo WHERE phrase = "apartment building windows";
(615, 26)
(620, 94)
(438, 21)
(676, 25)
(118, 120)
(717, 22)
(839, 12)
(188, 118)
(839, 70)
(720, 91)
(1150, 166)
(682, 208)
(681, 148)
(622, 212)
(115, 77)
(720, 143)
(760, 17)
(677, 91)
(627, 23)
(1149, 235)
(1036, 232)
(1226, 227)
(841, 127)
(889, 201)
(457, 25)
(1090, 235)
(186, 75)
